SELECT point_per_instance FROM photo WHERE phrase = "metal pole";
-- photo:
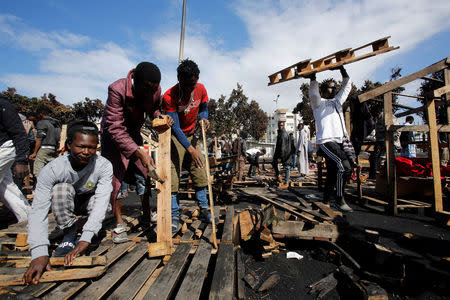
(180, 57)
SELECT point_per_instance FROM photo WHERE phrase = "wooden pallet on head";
(334, 60)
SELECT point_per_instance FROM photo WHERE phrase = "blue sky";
(75, 49)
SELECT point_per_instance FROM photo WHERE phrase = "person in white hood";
(331, 133)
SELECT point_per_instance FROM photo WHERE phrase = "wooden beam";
(434, 146)
(49, 276)
(441, 91)
(432, 79)
(164, 212)
(410, 112)
(418, 128)
(82, 261)
(210, 191)
(408, 96)
(389, 86)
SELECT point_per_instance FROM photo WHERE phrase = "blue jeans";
(200, 195)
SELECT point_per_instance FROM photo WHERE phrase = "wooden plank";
(303, 215)
(208, 176)
(82, 261)
(50, 276)
(135, 280)
(38, 289)
(434, 146)
(164, 227)
(326, 209)
(389, 86)
(320, 231)
(65, 290)
(99, 288)
(222, 285)
(287, 228)
(227, 235)
(164, 284)
(240, 269)
(441, 91)
(246, 226)
(306, 210)
(193, 280)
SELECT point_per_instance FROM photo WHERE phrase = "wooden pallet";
(342, 57)
(130, 274)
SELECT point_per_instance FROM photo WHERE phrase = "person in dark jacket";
(283, 152)
(13, 148)
(47, 139)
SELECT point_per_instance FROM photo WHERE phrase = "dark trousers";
(338, 169)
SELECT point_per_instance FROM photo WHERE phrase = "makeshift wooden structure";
(432, 129)
(163, 245)
(331, 61)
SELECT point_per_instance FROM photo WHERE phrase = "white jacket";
(328, 113)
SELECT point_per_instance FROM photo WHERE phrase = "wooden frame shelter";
(432, 129)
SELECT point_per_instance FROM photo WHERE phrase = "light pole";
(276, 102)
(180, 57)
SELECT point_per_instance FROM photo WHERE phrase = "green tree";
(236, 114)
(426, 89)
(89, 109)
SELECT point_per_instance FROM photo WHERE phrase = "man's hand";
(311, 76)
(147, 160)
(196, 157)
(32, 156)
(35, 270)
(170, 121)
(206, 123)
(20, 170)
(80, 248)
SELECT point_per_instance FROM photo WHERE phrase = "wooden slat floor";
(195, 270)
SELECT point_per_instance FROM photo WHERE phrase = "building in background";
(292, 121)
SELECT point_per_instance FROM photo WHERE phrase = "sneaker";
(119, 234)
(345, 207)
(65, 247)
(205, 216)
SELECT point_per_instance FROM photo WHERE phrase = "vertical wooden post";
(434, 148)
(163, 245)
(208, 175)
(447, 98)
(390, 155)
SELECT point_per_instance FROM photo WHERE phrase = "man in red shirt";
(186, 102)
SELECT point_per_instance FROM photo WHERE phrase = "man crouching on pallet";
(79, 183)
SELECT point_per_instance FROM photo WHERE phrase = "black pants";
(338, 169)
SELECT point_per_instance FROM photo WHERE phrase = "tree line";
(227, 115)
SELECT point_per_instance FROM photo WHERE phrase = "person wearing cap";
(130, 101)
(284, 149)
(78, 183)
(331, 133)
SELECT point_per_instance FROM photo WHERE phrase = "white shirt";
(328, 113)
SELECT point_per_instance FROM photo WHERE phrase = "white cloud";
(280, 33)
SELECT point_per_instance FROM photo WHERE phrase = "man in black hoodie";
(283, 152)
(47, 139)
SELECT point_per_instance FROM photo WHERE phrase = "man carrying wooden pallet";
(78, 183)
(331, 133)
(186, 102)
(130, 101)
